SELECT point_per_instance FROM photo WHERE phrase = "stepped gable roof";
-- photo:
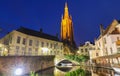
(37, 33)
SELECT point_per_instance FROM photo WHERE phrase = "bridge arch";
(58, 59)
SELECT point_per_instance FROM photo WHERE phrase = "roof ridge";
(37, 33)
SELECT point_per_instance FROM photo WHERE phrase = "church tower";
(67, 32)
(67, 26)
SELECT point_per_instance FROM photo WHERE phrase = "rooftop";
(37, 33)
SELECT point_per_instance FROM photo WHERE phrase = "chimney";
(101, 29)
(41, 30)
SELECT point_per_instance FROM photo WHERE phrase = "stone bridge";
(60, 58)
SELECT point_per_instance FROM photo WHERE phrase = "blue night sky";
(87, 15)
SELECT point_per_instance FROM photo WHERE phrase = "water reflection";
(78, 71)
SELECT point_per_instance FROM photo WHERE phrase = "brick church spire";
(67, 26)
(67, 34)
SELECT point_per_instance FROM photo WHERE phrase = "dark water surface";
(77, 71)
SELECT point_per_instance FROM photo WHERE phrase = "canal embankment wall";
(9, 64)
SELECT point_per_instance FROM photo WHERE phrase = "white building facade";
(108, 41)
(27, 42)
(109, 45)
(86, 48)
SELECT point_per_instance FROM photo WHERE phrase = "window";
(99, 44)
(81, 50)
(85, 49)
(61, 47)
(42, 44)
(54, 52)
(50, 52)
(111, 50)
(51, 45)
(97, 54)
(30, 51)
(118, 38)
(36, 51)
(23, 50)
(105, 40)
(106, 51)
(87, 44)
(118, 50)
(47, 44)
(17, 50)
(30, 42)
(54, 46)
(41, 52)
(0, 51)
(18, 39)
(0, 48)
(37, 43)
(24, 41)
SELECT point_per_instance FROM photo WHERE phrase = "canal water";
(77, 71)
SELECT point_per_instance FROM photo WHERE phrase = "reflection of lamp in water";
(18, 71)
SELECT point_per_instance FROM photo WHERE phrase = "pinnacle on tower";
(66, 5)
(66, 13)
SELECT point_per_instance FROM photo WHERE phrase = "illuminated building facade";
(109, 45)
(86, 48)
(109, 39)
(24, 41)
